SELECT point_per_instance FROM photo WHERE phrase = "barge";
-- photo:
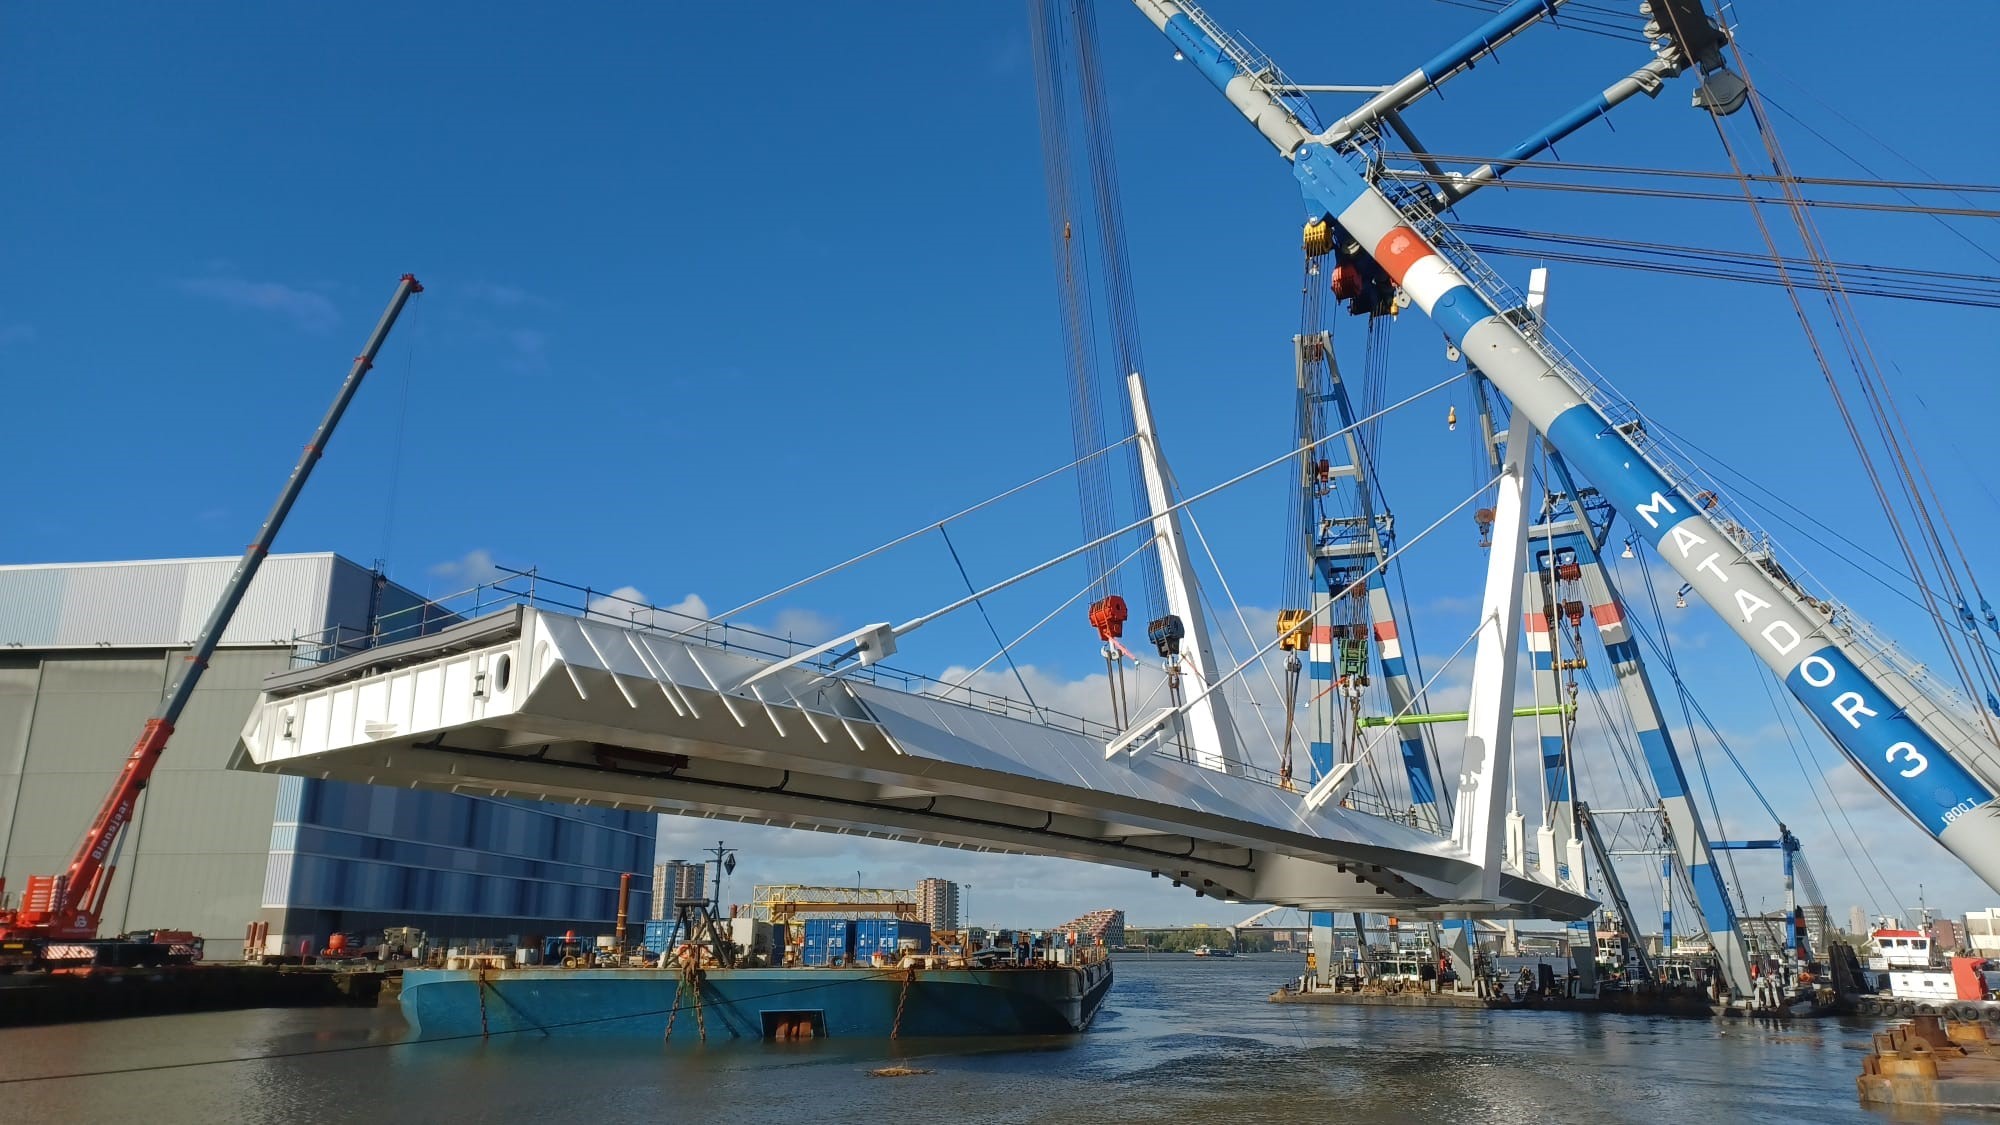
(921, 997)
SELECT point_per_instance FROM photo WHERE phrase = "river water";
(1189, 1039)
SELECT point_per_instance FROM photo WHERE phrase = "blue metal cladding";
(363, 848)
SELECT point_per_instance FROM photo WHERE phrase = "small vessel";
(1212, 951)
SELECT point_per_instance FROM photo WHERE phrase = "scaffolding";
(789, 902)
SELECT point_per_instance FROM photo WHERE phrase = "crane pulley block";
(1318, 239)
(1166, 634)
(1294, 630)
(1107, 616)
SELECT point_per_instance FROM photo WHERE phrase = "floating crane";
(57, 920)
(1922, 750)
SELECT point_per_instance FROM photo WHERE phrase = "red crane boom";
(68, 906)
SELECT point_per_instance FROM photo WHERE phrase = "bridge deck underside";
(534, 704)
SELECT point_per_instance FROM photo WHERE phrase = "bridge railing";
(533, 589)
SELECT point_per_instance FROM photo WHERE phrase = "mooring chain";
(694, 986)
(902, 998)
(481, 986)
(674, 1006)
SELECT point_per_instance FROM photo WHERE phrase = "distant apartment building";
(1818, 927)
(1105, 927)
(1857, 922)
(677, 880)
(1982, 932)
(1947, 936)
(937, 903)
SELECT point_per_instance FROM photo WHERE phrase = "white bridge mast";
(1210, 731)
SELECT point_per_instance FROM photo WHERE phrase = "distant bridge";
(532, 703)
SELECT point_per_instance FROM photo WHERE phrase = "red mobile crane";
(56, 922)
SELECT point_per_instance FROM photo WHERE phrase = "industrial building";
(87, 652)
(937, 903)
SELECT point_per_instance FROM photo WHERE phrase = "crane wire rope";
(1237, 608)
(987, 617)
(1664, 646)
(1876, 394)
(1931, 179)
(1787, 724)
(1077, 315)
(966, 680)
(1114, 263)
(1873, 182)
(395, 486)
(1204, 494)
(1688, 195)
(914, 534)
(1353, 585)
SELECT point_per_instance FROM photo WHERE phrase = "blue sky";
(718, 295)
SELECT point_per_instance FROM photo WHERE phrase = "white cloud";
(474, 568)
(504, 296)
(805, 626)
(630, 604)
(307, 310)
(529, 349)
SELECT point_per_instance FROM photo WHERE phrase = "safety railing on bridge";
(533, 589)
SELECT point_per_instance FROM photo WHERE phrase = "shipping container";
(829, 941)
(889, 937)
(659, 935)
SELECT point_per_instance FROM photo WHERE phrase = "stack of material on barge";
(1932, 1064)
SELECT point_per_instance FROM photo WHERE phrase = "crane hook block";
(1319, 237)
(1294, 630)
(1166, 633)
(1107, 616)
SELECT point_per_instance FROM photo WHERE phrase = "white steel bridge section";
(536, 704)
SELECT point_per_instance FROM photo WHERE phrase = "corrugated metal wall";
(164, 603)
(194, 856)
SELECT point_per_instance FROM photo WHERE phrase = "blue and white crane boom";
(1932, 763)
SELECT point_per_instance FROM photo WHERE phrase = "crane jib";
(1898, 754)
(1903, 759)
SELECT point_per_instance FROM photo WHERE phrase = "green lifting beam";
(1458, 716)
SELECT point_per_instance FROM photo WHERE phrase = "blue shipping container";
(829, 941)
(659, 935)
(887, 935)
